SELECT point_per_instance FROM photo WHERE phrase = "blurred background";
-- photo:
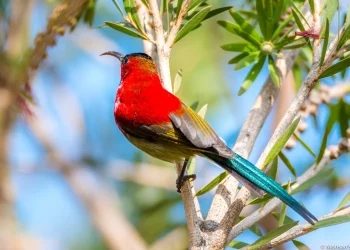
(70, 166)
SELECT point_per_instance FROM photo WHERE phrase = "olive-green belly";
(163, 150)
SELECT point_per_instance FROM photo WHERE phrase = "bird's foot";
(180, 181)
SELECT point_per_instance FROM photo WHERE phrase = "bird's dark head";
(134, 63)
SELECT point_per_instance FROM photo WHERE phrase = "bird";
(160, 124)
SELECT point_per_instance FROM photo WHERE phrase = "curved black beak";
(113, 53)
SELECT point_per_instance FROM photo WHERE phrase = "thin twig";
(163, 52)
(176, 27)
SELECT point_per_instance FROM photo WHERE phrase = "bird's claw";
(180, 181)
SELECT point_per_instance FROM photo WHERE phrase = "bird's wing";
(198, 131)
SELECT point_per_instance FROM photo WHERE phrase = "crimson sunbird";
(160, 124)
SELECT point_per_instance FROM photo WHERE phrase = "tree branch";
(300, 230)
(331, 152)
(162, 51)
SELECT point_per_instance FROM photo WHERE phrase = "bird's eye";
(125, 60)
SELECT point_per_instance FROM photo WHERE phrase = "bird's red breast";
(141, 100)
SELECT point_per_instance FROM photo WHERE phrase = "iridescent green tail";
(260, 180)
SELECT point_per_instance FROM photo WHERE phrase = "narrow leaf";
(347, 21)
(237, 30)
(288, 164)
(333, 116)
(321, 176)
(296, 10)
(261, 16)
(269, 18)
(130, 8)
(255, 201)
(192, 23)
(216, 181)
(237, 58)
(325, 43)
(216, 12)
(304, 145)
(272, 235)
(312, 6)
(287, 219)
(273, 169)
(203, 111)
(332, 6)
(126, 28)
(281, 27)
(245, 26)
(300, 245)
(298, 21)
(237, 47)
(118, 7)
(281, 141)
(191, 166)
(247, 60)
(256, 230)
(332, 221)
(282, 214)
(237, 244)
(344, 38)
(177, 81)
(345, 200)
(295, 46)
(273, 72)
(253, 73)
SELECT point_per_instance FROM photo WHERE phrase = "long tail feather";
(260, 180)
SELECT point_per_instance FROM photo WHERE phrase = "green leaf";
(345, 200)
(265, 199)
(164, 6)
(256, 230)
(296, 10)
(237, 244)
(90, 12)
(192, 23)
(261, 17)
(126, 28)
(178, 7)
(273, 169)
(295, 46)
(195, 3)
(347, 21)
(288, 164)
(281, 27)
(237, 30)
(312, 7)
(318, 178)
(332, 6)
(237, 47)
(273, 72)
(247, 60)
(177, 81)
(203, 111)
(332, 221)
(269, 18)
(298, 21)
(333, 117)
(216, 12)
(272, 235)
(287, 219)
(304, 145)
(300, 245)
(253, 73)
(282, 214)
(216, 181)
(345, 36)
(130, 9)
(118, 7)
(191, 165)
(245, 26)
(325, 43)
(237, 58)
(281, 141)
(344, 117)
